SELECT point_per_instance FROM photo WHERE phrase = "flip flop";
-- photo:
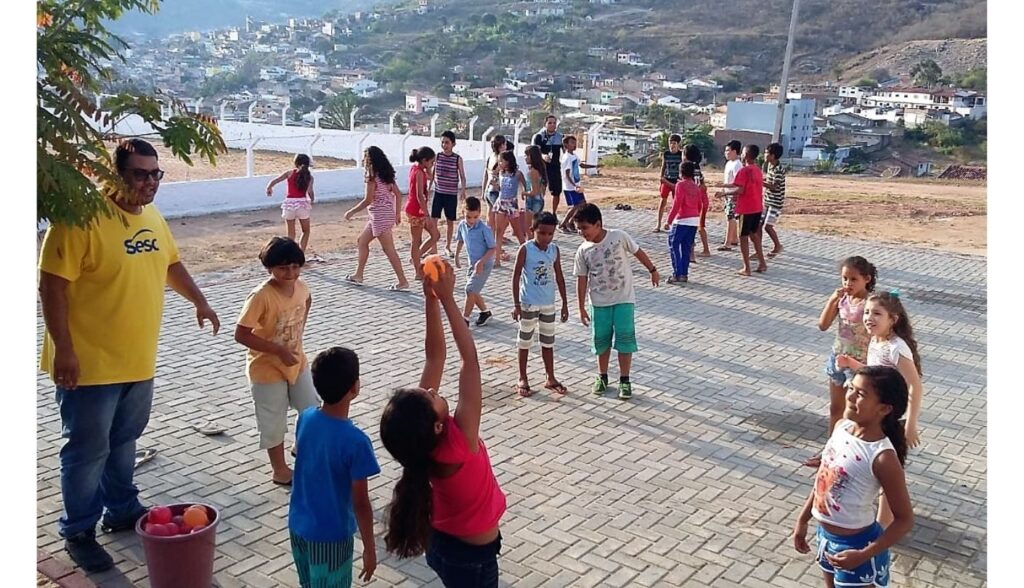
(352, 280)
(209, 429)
(724, 248)
(279, 483)
(761, 270)
(397, 288)
(144, 456)
(524, 391)
(557, 387)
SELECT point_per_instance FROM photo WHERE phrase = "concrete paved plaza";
(694, 482)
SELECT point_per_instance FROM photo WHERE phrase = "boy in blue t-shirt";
(330, 497)
(481, 247)
(538, 270)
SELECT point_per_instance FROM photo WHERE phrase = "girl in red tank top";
(298, 201)
(416, 208)
(448, 502)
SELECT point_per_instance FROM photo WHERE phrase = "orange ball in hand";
(433, 267)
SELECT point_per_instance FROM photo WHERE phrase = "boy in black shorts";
(747, 189)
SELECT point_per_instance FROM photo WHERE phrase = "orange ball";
(433, 267)
(195, 516)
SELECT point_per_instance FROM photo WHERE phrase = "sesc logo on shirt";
(141, 242)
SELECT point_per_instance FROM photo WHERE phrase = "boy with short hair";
(670, 162)
(538, 269)
(572, 181)
(746, 188)
(271, 325)
(603, 275)
(774, 194)
(330, 498)
(733, 165)
(481, 247)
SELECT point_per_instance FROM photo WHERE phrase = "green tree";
(622, 149)
(926, 73)
(550, 104)
(701, 137)
(865, 83)
(489, 116)
(489, 20)
(453, 121)
(337, 111)
(75, 173)
(975, 79)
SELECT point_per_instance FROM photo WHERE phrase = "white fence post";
(223, 105)
(250, 158)
(311, 143)
(352, 118)
(433, 124)
(472, 123)
(405, 139)
(316, 116)
(391, 122)
(592, 156)
(252, 107)
(284, 115)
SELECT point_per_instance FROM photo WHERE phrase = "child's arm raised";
(889, 472)
(276, 181)
(363, 510)
(517, 275)
(908, 370)
(467, 411)
(367, 199)
(435, 349)
(831, 310)
(560, 280)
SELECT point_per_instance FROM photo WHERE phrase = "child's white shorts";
(537, 322)
(271, 402)
(296, 208)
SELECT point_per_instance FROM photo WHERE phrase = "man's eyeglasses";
(140, 175)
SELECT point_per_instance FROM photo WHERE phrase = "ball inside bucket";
(177, 556)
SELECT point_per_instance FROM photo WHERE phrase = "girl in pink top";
(416, 207)
(382, 197)
(448, 502)
(299, 201)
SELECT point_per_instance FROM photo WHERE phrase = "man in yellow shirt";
(102, 292)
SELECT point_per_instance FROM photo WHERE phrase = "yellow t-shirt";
(117, 269)
(278, 318)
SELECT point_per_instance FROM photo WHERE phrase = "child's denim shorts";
(873, 572)
(535, 204)
(838, 376)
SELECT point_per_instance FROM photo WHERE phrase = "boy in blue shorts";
(481, 247)
(330, 496)
(603, 275)
(571, 180)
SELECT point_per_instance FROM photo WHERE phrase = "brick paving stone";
(694, 481)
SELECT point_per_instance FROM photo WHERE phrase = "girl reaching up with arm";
(447, 502)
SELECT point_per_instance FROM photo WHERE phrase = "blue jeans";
(461, 565)
(680, 243)
(100, 425)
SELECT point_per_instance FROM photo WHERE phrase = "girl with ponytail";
(447, 502)
(298, 201)
(865, 454)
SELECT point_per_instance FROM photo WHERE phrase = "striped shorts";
(322, 564)
(537, 322)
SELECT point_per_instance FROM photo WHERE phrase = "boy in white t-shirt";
(733, 164)
(571, 179)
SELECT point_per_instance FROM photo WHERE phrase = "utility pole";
(784, 86)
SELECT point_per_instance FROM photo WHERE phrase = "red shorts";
(666, 189)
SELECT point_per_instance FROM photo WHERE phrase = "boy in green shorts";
(603, 275)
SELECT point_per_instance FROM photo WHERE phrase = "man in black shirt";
(550, 142)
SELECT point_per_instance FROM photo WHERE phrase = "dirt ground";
(943, 215)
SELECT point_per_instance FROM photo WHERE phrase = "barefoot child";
(692, 154)
(865, 453)
(450, 188)
(536, 182)
(383, 198)
(574, 196)
(298, 201)
(330, 497)
(506, 208)
(747, 191)
(892, 345)
(488, 193)
(774, 194)
(846, 304)
(271, 325)
(447, 502)
(538, 269)
(683, 220)
(604, 276)
(481, 248)
(670, 162)
(416, 207)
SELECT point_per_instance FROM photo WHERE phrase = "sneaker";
(87, 553)
(126, 524)
(483, 318)
(625, 390)
(599, 386)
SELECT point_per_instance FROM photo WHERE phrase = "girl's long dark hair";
(497, 143)
(380, 166)
(407, 431)
(302, 175)
(864, 268)
(534, 159)
(510, 161)
(891, 388)
(901, 323)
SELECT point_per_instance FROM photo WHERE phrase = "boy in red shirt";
(747, 189)
(684, 219)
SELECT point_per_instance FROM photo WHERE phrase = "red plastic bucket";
(181, 560)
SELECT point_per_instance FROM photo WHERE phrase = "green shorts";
(608, 322)
(321, 563)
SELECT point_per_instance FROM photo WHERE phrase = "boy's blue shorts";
(573, 198)
(874, 572)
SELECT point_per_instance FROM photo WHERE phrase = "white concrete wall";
(179, 199)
